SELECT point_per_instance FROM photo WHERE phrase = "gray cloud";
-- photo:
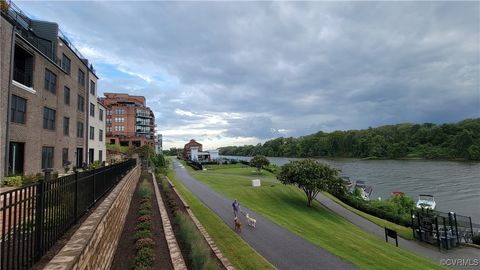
(253, 69)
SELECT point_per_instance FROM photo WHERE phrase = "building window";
(23, 66)
(81, 77)
(66, 63)
(119, 111)
(81, 103)
(100, 155)
(100, 114)
(66, 95)
(79, 129)
(109, 121)
(18, 109)
(119, 119)
(48, 118)
(92, 133)
(92, 110)
(119, 128)
(109, 112)
(50, 81)
(66, 126)
(92, 87)
(65, 157)
(47, 157)
(100, 135)
(109, 129)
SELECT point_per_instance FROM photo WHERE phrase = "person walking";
(236, 207)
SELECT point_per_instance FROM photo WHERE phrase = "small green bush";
(143, 234)
(144, 258)
(143, 226)
(146, 206)
(144, 243)
(144, 212)
(13, 181)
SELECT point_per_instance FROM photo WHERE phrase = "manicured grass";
(401, 230)
(238, 252)
(286, 206)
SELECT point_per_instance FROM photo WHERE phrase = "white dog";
(250, 221)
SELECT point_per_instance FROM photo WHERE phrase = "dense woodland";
(427, 141)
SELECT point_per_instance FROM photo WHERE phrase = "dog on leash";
(251, 221)
(238, 225)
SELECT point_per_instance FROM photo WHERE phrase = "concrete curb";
(218, 253)
(175, 254)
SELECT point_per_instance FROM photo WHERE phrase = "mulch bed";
(125, 253)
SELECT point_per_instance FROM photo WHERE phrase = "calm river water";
(455, 185)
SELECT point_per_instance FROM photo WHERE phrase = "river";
(455, 184)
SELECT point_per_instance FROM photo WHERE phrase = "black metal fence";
(34, 217)
(445, 230)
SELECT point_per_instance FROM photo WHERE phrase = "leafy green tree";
(308, 175)
(259, 161)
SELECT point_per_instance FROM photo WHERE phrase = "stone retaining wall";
(93, 245)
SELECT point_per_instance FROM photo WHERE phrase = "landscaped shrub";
(381, 209)
(143, 234)
(144, 212)
(143, 226)
(199, 252)
(144, 258)
(144, 218)
(476, 239)
(146, 206)
(13, 181)
(144, 243)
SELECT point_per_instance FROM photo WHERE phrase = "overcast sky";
(240, 73)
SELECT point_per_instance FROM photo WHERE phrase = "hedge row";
(366, 207)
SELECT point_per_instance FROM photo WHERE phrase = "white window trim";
(24, 87)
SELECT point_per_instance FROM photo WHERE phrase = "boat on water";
(365, 190)
(426, 201)
(347, 182)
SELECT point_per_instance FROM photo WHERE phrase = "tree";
(308, 175)
(259, 161)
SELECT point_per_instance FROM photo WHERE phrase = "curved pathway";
(279, 246)
(424, 249)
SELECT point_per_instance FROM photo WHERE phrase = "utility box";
(256, 183)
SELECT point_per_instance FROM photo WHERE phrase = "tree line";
(459, 140)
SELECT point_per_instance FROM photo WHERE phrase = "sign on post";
(392, 234)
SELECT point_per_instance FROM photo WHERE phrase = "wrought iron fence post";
(94, 196)
(75, 202)
(39, 214)
(456, 229)
(471, 229)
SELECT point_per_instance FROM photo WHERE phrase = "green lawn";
(286, 206)
(403, 231)
(238, 252)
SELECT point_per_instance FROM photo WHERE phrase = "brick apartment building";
(129, 121)
(44, 96)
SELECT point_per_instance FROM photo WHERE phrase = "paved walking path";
(279, 246)
(416, 247)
